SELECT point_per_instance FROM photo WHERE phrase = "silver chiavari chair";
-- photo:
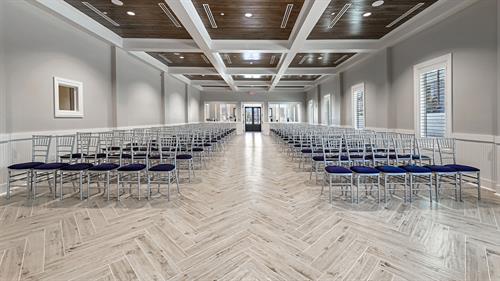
(162, 163)
(40, 147)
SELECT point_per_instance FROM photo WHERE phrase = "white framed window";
(433, 97)
(358, 106)
(68, 98)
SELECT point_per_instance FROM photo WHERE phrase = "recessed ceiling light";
(117, 2)
(248, 15)
(176, 54)
(251, 62)
(130, 13)
(221, 14)
(320, 58)
(378, 3)
(367, 14)
(105, 13)
(181, 57)
(332, 13)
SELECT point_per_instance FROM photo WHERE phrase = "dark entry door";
(252, 119)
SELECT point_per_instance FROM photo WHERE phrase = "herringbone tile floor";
(251, 215)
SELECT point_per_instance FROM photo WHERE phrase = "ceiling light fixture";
(228, 59)
(221, 14)
(339, 15)
(288, 10)
(117, 2)
(169, 15)
(97, 11)
(367, 14)
(130, 13)
(378, 3)
(181, 57)
(416, 7)
(248, 15)
(320, 58)
(210, 16)
(176, 54)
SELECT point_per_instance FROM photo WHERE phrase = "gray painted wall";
(194, 107)
(3, 96)
(389, 75)
(332, 87)
(176, 101)
(39, 46)
(139, 96)
(373, 73)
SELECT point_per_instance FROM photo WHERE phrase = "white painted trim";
(354, 89)
(58, 113)
(445, 61)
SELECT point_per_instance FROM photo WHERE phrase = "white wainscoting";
(482, 151)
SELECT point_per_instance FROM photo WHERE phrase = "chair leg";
(330, 188)
(437, 188)
(55, 184)
(9, 174)
(81, 185)
(139, 185)
(35, 184)
(430, 189)
(177, 181)
(88, 186)
(478, 186)
(168, 187)
(61, 187)
(149, 186)
(107, 184)
(118, 186)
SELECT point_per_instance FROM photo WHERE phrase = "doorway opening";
(253, 119)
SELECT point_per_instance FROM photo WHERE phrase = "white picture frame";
(78, 101)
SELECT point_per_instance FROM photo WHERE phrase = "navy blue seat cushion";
(391, 169)
(306, 151)
(463, 168)
(416, 169)
(337, 170)
(318, 158)
(441, 169)
(77, 167)
(377, 156)
(52, 166)
(197, 149)
(423, 157)
(25, 166)
(184, 156)
(74, 155)
(105, 167)
(403, 156)
(132, 167)
(364, 170)
(207, 144)
(162, 168)
(99, 156)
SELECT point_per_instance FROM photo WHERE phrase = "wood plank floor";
(250, 215)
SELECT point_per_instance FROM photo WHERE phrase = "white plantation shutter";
(433, 103)
(358, 102)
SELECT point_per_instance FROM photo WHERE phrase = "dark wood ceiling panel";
(251, 59)
(204, 77)
(264, 24)
(320, 59)
(299, 77)
(252, 77)
(182, 59)
(353, 25)
(149, 21)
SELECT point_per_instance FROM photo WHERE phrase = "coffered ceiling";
(260, 45)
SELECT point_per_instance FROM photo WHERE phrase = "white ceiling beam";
(188, 16)
(76, 18)
(151, 61)
(311, 71)
(311, 12)
(295, 83)
(251, 71)
(160, 45)
(240, 46)
(339, 46)
(193, 70)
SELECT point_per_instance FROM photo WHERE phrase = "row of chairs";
(129, 157)
(351, 159)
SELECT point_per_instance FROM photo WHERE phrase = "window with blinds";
(358, 102)
(432, 103)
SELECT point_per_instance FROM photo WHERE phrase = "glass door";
(252, 119)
